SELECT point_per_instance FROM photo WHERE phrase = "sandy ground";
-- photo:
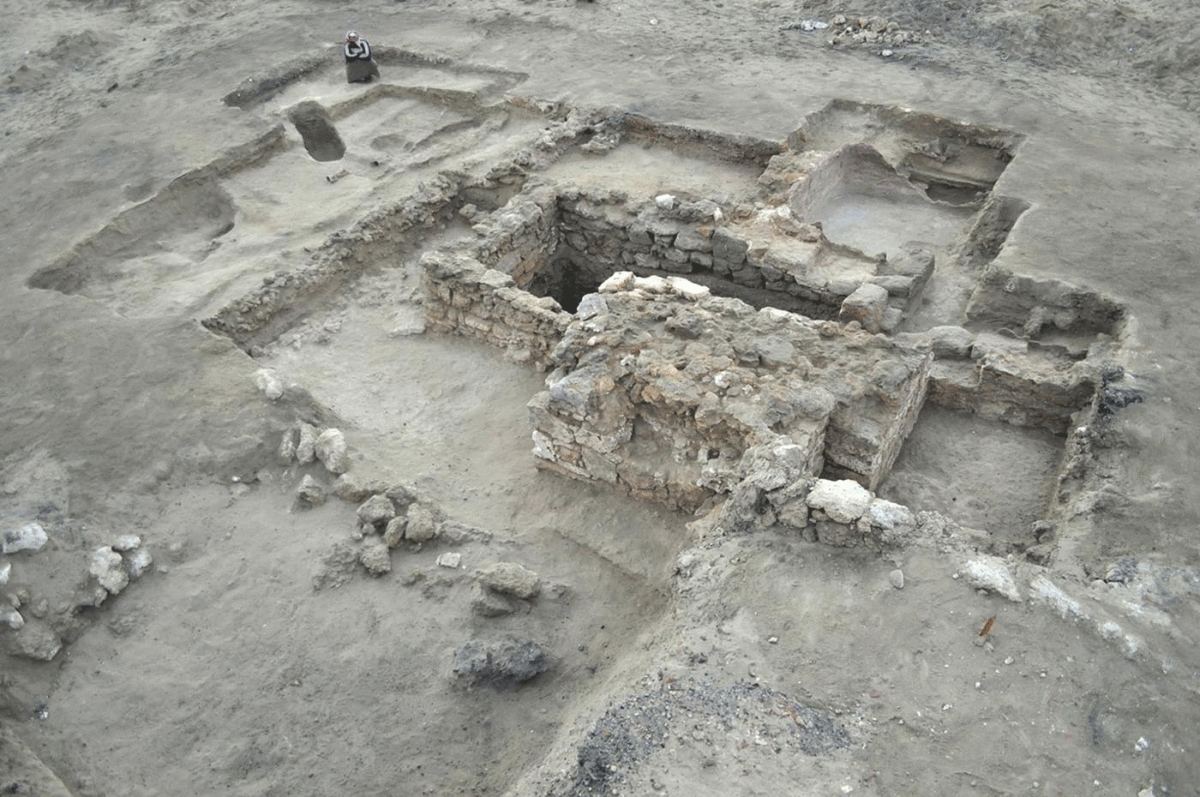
(224, 670)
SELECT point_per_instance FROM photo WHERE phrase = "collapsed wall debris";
(661, 389)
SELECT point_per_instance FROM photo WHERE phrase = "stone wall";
(565, 244)
(661, 389)
(464, 297)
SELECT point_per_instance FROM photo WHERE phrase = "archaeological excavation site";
(481, 438)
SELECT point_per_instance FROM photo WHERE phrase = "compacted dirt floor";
(255, 656)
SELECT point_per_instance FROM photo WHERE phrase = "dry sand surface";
(154, 179)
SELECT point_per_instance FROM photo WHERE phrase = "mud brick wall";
(464, 297)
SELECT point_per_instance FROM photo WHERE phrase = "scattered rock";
(10, 617)
(35, 640)
(896, 577)
(268, 383)
(499, 665)
(338, 566)
(486, 603)
(30, 537)
(376, 510)
(376, 557)
(843, 501)
(354, 488)
(5, 572)
(422, 526)
(393, 533)
(454, 532)
(951, 342)
(331, 449)
(127, 542)
(866, 305)
(109, 569)
(310, 493)
(138, 562)
(449, 559)
(306, 444)
(892, 524)
(510, 578)
(991, 574)
(287, 446)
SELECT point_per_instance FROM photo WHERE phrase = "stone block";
(844, 501)
(728, 248)
(866, 305)
(951, 342)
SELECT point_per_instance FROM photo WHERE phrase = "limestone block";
(840, 535)
(36, 640)
(106, 565)
(895, 284)
(310, 493)
(844, 501)
(126, 542)
(376, 510)
(306, 444)
(690, 240)
(27, 537)
(422, 526)
(376, 557)
(393, 533)
(330, 447)
(11, 618)
(728, 248)
(287, 447)
(951, 342)
(866, 305)
(890, 523)
(138, 562)
(510, 578)
(992, 574)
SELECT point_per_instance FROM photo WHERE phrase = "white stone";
(305, 447)
(1043, 590)
(688, 289)
(11, 618)
(844, 501)
(543, 447)
(896, 577)
(108, 568)
(422, 526)
(991, 574)
(652, 284)
(665, 201)
(30, 537)
(268, 383)
(138, 562)
(5, 572)
(127, 542)
(449, 559)
(619, 281)
(330, 447)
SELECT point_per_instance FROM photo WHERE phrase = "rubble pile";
(661, 389)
